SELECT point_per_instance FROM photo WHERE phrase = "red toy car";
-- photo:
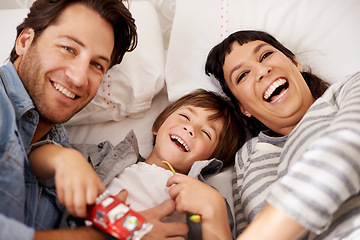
(113, 216)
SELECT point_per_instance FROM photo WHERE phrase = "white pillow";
(9, 20)
(129, 87)
(323, 35)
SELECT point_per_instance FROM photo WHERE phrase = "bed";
(174, 39)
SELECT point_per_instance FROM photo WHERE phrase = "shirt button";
(30, 115)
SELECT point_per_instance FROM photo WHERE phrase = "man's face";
(63, 68)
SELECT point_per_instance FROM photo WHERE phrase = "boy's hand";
(76, 182)
(192, 195)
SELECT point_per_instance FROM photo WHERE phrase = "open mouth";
(63, 90)
(276, 90)
(180, 143)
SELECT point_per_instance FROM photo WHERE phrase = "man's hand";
(164, 230)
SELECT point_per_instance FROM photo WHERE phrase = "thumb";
(122, 195)
(160, 211)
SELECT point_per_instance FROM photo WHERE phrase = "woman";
(301, 175)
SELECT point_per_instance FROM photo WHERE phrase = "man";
(62, 50)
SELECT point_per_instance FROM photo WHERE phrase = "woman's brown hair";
(216, 59)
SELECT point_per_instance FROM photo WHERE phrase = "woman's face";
(267, 84)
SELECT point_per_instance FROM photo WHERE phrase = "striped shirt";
(312, 174)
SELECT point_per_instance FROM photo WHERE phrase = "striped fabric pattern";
(314, 172)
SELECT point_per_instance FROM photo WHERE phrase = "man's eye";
(241, 77)
(69, 49)
(265, 55)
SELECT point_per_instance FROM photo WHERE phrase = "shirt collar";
(16, 90)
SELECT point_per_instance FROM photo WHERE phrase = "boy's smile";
(186, 136)
(180, 142)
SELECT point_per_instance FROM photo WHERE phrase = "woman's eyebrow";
(256, 50)
(258, 47)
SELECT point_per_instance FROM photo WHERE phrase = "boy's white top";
(145, 183)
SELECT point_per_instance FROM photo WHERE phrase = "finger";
(174, 229)
(68, 201)
(80, 202)
(174, 191)
(91, 194)
(160, 211)
(168, 230)
(175, 179)
(60, 194)
(122, 195)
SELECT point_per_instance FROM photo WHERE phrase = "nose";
(190, 130)
(263, 70)
(77, 73)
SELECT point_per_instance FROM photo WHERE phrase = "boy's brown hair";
(232, 135)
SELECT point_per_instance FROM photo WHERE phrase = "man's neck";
(41, 130)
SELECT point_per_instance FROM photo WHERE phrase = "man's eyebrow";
(256, 49)
(82, 45)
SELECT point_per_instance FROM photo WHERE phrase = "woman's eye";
(98, 66)
(241, 77)
(265, 55)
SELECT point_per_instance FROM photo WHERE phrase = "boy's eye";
(207, 134)
(265, 55)
(184, 116)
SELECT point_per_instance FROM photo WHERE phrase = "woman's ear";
(243, 111)
(298, 65)
(24, 41)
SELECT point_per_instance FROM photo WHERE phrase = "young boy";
(199, 126)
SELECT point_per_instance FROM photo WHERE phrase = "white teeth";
(273, 87)
(64, 91)
(177, 138)
(278, 97)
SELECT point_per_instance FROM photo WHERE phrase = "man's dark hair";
(44, 13)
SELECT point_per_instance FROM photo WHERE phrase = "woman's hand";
(272, 224)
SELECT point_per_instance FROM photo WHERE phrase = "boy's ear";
(24, 40)
(155, 132)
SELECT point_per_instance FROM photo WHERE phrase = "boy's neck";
(152, 159)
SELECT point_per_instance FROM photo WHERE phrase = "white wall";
(9, 4)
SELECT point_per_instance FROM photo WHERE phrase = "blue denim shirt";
(19, 189)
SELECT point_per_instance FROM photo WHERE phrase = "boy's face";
(186, 136)
(64, 67)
